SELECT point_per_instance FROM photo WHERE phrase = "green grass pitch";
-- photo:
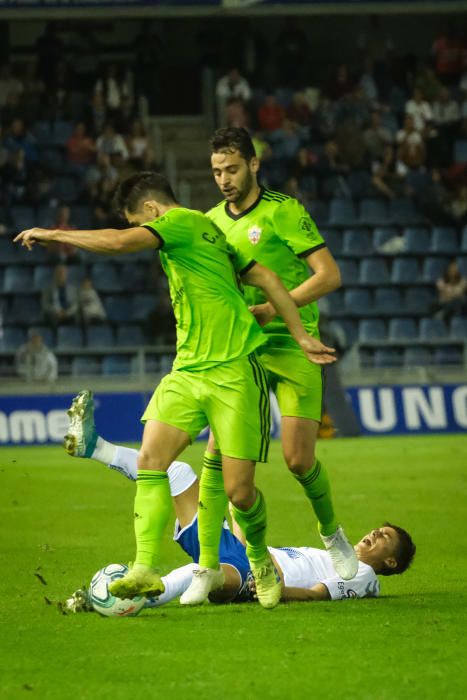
(63, 519)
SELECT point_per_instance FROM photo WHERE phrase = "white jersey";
(304, 567)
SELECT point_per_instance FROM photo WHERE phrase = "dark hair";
(405, 552)
(131, 190)
(232, 138)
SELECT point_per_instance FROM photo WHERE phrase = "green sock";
(211, 510)
(153, 506)
(318, 489)
(253, 524)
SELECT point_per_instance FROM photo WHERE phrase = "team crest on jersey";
(254, 234)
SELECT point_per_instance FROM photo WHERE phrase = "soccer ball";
(107, 604)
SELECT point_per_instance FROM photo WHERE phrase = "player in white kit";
(307, 573)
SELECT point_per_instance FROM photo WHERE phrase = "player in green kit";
(216, 379)
(278, 232)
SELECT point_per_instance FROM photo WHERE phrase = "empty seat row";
(369, 212)
(72, 337)
(417, 240)
(411, 357)
(400, 270)
(113, 365)
(404, 330)
(363, 301)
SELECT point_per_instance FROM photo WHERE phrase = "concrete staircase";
(185, 146)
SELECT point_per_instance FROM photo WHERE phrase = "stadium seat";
(387, 300)
(444, 240)
(11, 337)
(116, 364)
(350, 329)
(349, 271)
(370, 330)
(433, 268)
(119, 308)
(17, 279)
(42, 277)
(106, 278)
(404, 270)
(47, 216)
(419, 299)
(417, 356)
(319, 211)
(458, 328)
(403, 212)
(166, 362)
(432, 329)
(359, 184)
(85, 365)
(334, 303)
(342, 213)
(373, 271)
(98, 336)
(402, 329)
(134, 276)
(69, 337)
(357, 301)
(142, 306)
(462, 262)
(460, 151)
(366, 357)
(357, 242)
(47, 333)
(67, 189)
(417, 240)
(382, 234)
(388, 357)
(22, 217)
(373, 212)
(24, 310)
(334, 240)
(128, 335)
(449, 355)
(10, 252)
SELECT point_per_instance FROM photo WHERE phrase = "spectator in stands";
(15, 108)
(60, 299)
(419, 109)
(271, 115)
(102, 170)
(90, 305)
(112, 87)
(389, 173)
(434, 200)
(125, 115)
(14, 178)
(411, 146)
(351, 144)
(368, 83)
(10, 84)
(452, 293)
(81, 149)
(63, 252)
(299, 111)
(459, 205)
(110, 143)
(18, 138)
(35, 362)
(235, 113)
(341, 84)
(137, 143)
(229, 86)
(326, 119)
(377, 136)
(447, 50)
(446, 118)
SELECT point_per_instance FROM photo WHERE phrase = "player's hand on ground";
(264, 313)
(252, 587)
(317, 352)
(31, 236)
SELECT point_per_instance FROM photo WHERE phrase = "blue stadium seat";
(130, 334)
(334, 302)
(142, 306)
(462, 262)
(417, 240)
(105, 277)
(449, 355)
(464, 240)
(419, 299)
(9, 252)
(371, 329)
(359, 184)
(444, 240)
(373, 271)
(417, 356)
(99, 337)
(22, 217)
(349, 271)
(342, 213)
(116, 364)
(81, 216)
(119, 308)
(373, 212)
(357, 242)
(382, 234)
(47, 333)
(357, 301)
(319, 211)
(404, 270)
(402, 329)
(18, 280)
(334, 241)
(460, 151)
(76, 274)
(433, 329)
(42, 277)
(24, 310)
(166, 362)
(134, 276)
(403, 212)
(85, 365)
(387, 300)
(433, 268)
(47, 216)
(69, 337)
(458, 328)
(350, 329)
(67, 189)
(388, 357)
(11, 337)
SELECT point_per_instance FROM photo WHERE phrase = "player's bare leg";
(162, 443)
(298, 443)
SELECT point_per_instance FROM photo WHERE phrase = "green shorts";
(232, 398)
(296, 382)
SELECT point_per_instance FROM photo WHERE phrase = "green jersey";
(213, 321)
(279, 233)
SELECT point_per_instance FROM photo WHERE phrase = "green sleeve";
(294, 225)
(241, 262)
(169, 232)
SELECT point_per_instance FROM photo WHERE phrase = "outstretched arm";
(274, 290)
(107, 241)
(318, 592)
